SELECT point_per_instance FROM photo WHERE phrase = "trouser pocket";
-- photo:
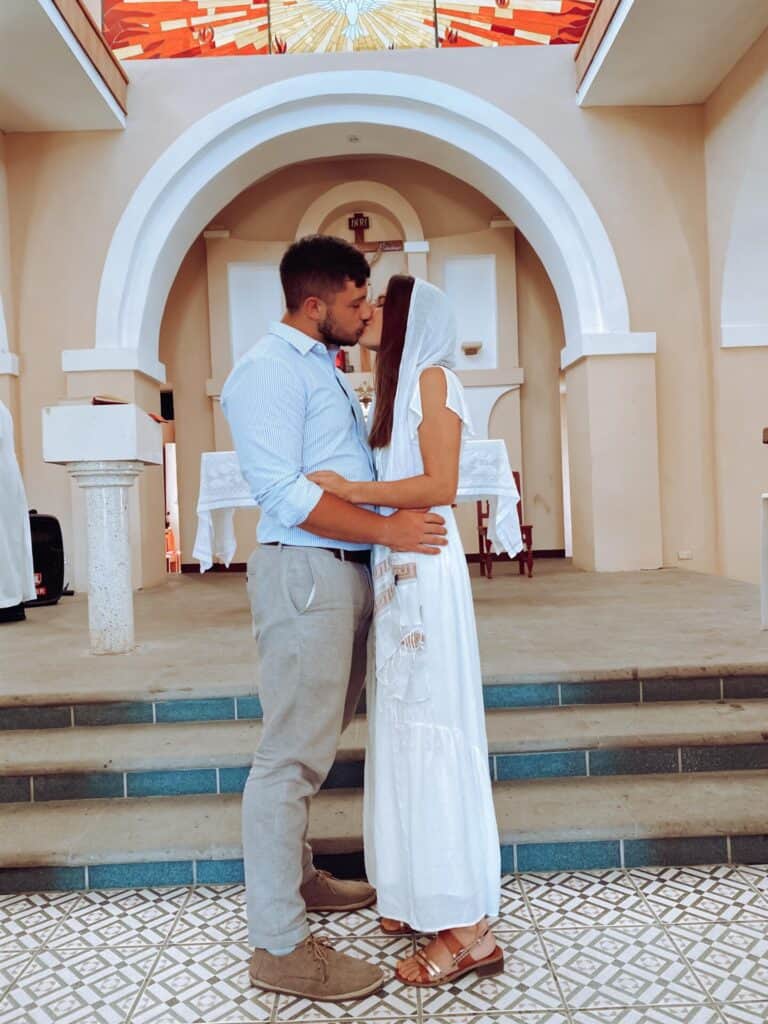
(299, 580)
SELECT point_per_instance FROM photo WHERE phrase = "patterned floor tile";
(78, 987)
(213, 913)
(756, 875)
(395, 1000)
(354, 922)
(680, 895)
(620, 967)
(731, 960)
(545, 1017)
(745, 1013)
(514, 914)
(27, 921)
(125, 917)
(526, 984)
(192, 984)
(569, 898)
(12, 963)
(649, 1015)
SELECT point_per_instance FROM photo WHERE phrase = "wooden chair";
(525, 558)
(172, 553)
(485, 546)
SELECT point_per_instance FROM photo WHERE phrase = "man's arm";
(417, 530)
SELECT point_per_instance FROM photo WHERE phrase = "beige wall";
(540, 330)
(273, 209)
(607, 394)
(643, 169)
(5, 247)
(185, 350)
(8, 383)
(737, 171)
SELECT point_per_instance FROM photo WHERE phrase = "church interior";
(585, 180)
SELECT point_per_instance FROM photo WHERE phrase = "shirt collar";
(298, 339)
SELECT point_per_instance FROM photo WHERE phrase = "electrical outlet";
(683, 556)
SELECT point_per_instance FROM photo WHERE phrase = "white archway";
(744, 301)
(373, 194)
(342, 112)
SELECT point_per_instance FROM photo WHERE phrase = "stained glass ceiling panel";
(145, 29)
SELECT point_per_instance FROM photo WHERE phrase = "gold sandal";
(431, 975)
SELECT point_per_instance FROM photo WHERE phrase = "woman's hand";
(334, 484)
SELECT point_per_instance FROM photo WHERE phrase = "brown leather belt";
(359, 557)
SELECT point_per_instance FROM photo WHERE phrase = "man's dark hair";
(320, 265)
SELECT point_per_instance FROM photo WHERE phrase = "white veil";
(430, 340)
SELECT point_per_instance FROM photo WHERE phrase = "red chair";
(485, 547)
(525, 558)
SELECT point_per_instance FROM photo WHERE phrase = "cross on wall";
(359, 223)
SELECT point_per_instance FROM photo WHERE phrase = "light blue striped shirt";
(291, 412)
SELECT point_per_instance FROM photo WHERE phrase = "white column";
(110, 594)
(764, 563)
(105, 447)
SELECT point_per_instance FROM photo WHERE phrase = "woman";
(431, 840)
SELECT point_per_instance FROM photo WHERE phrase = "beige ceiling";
(670, 52)
(47, 83)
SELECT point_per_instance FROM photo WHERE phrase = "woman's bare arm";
(440, 444)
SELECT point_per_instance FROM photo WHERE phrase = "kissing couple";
(357, 530)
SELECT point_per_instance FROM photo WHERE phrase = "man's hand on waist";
(416, 530)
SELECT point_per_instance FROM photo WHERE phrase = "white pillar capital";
(105, 473)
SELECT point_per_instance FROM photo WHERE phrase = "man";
(309, 585)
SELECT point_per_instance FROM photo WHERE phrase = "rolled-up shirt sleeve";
(265, 407)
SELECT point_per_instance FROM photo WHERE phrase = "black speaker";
(48, 558)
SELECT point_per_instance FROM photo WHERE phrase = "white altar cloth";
(484, 473)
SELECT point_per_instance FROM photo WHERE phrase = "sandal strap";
(458, 954)
(432, 969)
(455, 948)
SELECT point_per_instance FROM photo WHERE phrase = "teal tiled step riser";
(349, 774)
(496, 696)
(613, 853)
(63, 716)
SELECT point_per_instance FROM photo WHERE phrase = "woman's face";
(371, 336)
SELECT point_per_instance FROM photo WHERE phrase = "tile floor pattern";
(683, 945)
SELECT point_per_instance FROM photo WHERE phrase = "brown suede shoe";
(324, 892)
(315, 970)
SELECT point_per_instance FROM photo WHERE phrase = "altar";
(484, 474)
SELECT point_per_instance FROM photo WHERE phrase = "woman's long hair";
(397, 304)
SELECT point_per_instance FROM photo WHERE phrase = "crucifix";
(360, 223)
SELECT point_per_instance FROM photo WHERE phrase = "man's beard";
(329, 332)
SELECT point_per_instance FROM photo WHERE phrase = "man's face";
(346, 315)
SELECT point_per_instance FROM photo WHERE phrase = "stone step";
(214, 758)
(164, 703)
(544, 825)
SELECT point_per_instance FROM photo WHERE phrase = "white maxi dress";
(431, 838)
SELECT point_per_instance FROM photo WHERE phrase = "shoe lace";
(319, 947)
